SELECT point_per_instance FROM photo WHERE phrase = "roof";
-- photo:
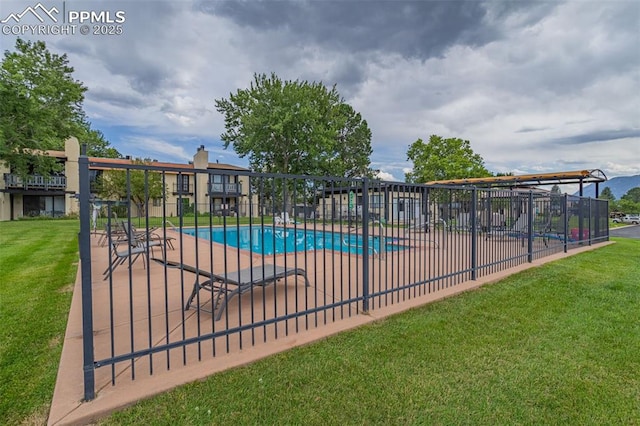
(185, 166)
(125, 161)
(223, 166)
(578, 176)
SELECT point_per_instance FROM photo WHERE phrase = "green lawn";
(38, 263)
(553, 345)
(556, 344)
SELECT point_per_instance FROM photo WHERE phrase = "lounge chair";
(519, 229)
(118, 257)
(111, 233)
(284, 219)
(135, 246)
(224, 286)
(149, 235)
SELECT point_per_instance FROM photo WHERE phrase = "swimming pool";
(270, 240)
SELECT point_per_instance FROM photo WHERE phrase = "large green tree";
(442, 158)
(40, 107)
(296, 127)
(630, 202)
(632, 195)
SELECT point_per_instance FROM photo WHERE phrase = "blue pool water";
(269, 240)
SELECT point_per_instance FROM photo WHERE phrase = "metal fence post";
(566, 222)
(530, 230)
(590, 223)
(606, 203)
(84, 241)
(474, 233)
(580, 219)
(365, 244)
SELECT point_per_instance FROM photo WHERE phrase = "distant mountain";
(619, 185)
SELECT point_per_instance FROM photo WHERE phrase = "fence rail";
(35, 182)
(188, 280)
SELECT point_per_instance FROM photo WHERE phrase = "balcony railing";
(35, 182)
(183, 189)
(225, 188)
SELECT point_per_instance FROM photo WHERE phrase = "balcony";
(217, 189)
(182, 189)
(51, 183)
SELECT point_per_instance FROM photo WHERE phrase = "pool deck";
(157, 309)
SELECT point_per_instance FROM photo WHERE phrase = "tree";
(40, 107)
(632, 195)
(296, 127)
(606, 194)
(97, 145)
(441, 159)
(352, 149)
(556, 200)
(630, 202)
(142, 187)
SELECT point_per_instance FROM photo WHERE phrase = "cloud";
(153, 147)
(385, 176)
(596, 136)
(534, 86)
(418, 29)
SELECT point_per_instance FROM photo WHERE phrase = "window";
(224, 184)
(182, 185)
(221, 178)
(376, 201)
(39, 205)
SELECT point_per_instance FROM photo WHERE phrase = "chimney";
(201, 159)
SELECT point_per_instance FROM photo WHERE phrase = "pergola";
(525, 181)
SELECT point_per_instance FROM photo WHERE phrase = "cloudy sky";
(534, 86)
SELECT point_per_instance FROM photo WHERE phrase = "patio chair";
(115, 233)
(284, 219)
(519, 229)
(150, 235)
(135, 246)
(224, 287)
(118, 257)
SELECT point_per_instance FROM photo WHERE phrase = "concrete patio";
(142, 307)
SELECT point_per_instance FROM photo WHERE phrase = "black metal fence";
(190, 277)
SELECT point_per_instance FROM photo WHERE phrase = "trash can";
(575, 234)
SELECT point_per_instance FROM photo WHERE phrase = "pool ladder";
(172, 225)
(373, 249)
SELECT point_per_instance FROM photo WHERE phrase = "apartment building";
(223, 189)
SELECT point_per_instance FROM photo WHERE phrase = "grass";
(556, 344)
(38, 263)
(613, 224)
